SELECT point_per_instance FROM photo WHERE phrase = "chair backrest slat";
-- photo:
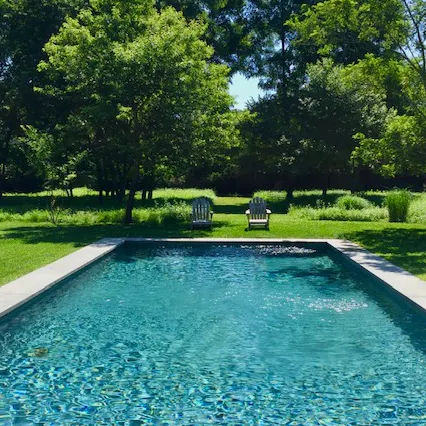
(257, 208)
(201, 209)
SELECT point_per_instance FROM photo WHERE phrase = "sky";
(244, 89)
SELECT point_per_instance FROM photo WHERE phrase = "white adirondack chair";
(201, 214)
(258, 214)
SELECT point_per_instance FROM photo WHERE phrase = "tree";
(347, 30)
(25, 27)
(400, 150)
(336, 105)
(384, 44)
(147, 86)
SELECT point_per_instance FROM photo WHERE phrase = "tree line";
(122, 95)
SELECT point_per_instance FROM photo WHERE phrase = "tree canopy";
(134, 93)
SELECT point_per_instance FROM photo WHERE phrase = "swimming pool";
(223, 334)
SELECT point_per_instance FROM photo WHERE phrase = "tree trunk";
(121, 191)
(100, 182)
(326, 185)
(290, 189)
(144, 193)
(2, 178)
(130, 204)
(150, 194)
(134, 182)
(3, 164)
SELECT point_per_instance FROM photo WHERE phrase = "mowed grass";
(25, 246)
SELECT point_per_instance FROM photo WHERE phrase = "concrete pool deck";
(18, 292)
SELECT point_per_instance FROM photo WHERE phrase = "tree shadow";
(20, 204)
(239, 208)
(376, 199)
(404, 247)
(312, 200)
(80, 236)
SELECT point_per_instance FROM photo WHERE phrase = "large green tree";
(336, 104)
(25, 26)
(387, 41)
(148, 88)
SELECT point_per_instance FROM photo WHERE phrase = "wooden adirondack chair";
(258, 214)
(201, 214)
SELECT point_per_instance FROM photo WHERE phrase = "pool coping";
(18, 292)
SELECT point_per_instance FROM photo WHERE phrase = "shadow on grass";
(83, 235)
(230, 208)
(240, 208)
(312, 200)
(404, 247)
(20, 204)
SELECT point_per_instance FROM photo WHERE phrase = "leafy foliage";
(170, 107)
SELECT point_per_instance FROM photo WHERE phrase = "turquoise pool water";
(226, 335)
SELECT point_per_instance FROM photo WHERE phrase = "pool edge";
(18, 292)
(399, 280)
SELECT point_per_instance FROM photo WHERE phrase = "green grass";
(26, 245)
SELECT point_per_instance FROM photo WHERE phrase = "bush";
(166, 213)
(271, 196)
(398, 203)
(417, 212)
(352, 202)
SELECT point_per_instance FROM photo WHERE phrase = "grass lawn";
(26, 245)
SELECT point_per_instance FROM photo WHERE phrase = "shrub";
(166, 213)
(271, 196)
(36, 216)
(110, 216)
(417, 212)
(352, 202)
(398, 203)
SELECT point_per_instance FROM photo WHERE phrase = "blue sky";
(244, 89)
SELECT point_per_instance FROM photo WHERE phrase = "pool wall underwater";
(24, 289)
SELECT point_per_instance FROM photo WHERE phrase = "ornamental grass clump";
(398, 204)
(352, 202)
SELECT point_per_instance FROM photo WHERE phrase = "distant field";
(28, 240)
